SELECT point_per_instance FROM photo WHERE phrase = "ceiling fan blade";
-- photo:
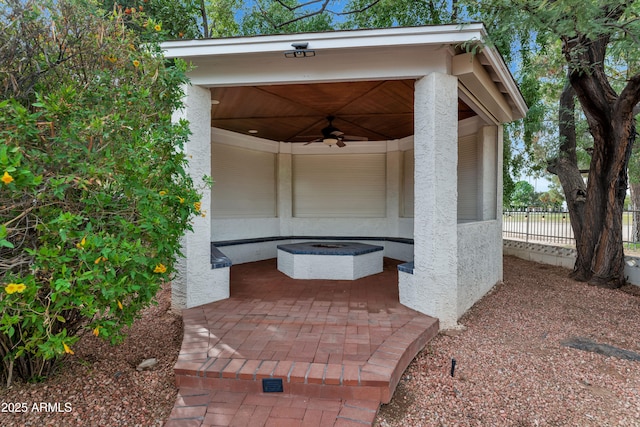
(355, 138)
(313, 140)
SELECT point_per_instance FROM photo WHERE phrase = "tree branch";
(627, 102)
(299, 6)
(362, 9)
(587, 75)
(320, 10)
(205, 24)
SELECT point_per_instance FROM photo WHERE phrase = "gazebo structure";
(386, 137)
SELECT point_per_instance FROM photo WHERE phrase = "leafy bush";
(94, 195)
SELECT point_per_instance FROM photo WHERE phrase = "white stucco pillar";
(488, 176)
(433, 288)
(500, 185)
(196, 282)
(285, 189)
(394, 188)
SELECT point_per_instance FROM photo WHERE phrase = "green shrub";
(94, 195)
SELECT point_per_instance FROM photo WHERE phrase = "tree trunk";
(600, 254)
(600, 259)
(205, 21)
(635, 207)
(565, 166)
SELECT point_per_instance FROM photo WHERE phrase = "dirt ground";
(511, 366)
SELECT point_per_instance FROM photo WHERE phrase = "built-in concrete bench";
(407, 267)
(218, 259)
(257, 249)
(329, 260)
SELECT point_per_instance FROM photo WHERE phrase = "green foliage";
(271, 17)
(94, 195)
(182, 19)
(403, 13)
(177, 19)
(511, 166)
(523, 195)
(551, 199)
(221, 17)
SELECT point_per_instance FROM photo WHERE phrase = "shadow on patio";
(339, 348)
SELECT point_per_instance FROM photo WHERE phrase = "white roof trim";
(399, 36)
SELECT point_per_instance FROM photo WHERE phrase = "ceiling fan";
(331, 135)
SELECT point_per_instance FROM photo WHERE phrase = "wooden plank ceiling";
(377, 110)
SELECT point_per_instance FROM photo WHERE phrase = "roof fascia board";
(507, 79)
(473, 76)
(441, 34)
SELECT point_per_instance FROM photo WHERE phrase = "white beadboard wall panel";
(467, 178)
(407, 184)
(339, 186)
(244, 182)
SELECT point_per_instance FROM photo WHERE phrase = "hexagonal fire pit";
(329, 260)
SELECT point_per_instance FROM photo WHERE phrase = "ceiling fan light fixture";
(330, 141)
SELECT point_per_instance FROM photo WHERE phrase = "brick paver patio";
(339, 348)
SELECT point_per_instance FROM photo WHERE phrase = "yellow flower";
(197, 205)
(82, 242)
(112, 59)
(6, 178)
(181, 199)
(100, 258)
(67, 349)
(119, 305)
(160, 268)
(157, 27)
(96, 331)
(12, 288)
(136, 63)
(163, 193)
(132, 46)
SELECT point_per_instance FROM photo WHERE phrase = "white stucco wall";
(195, 281)
(479, 261)
(480, 242)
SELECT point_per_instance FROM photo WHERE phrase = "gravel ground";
(511, 368)
(100, 386)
